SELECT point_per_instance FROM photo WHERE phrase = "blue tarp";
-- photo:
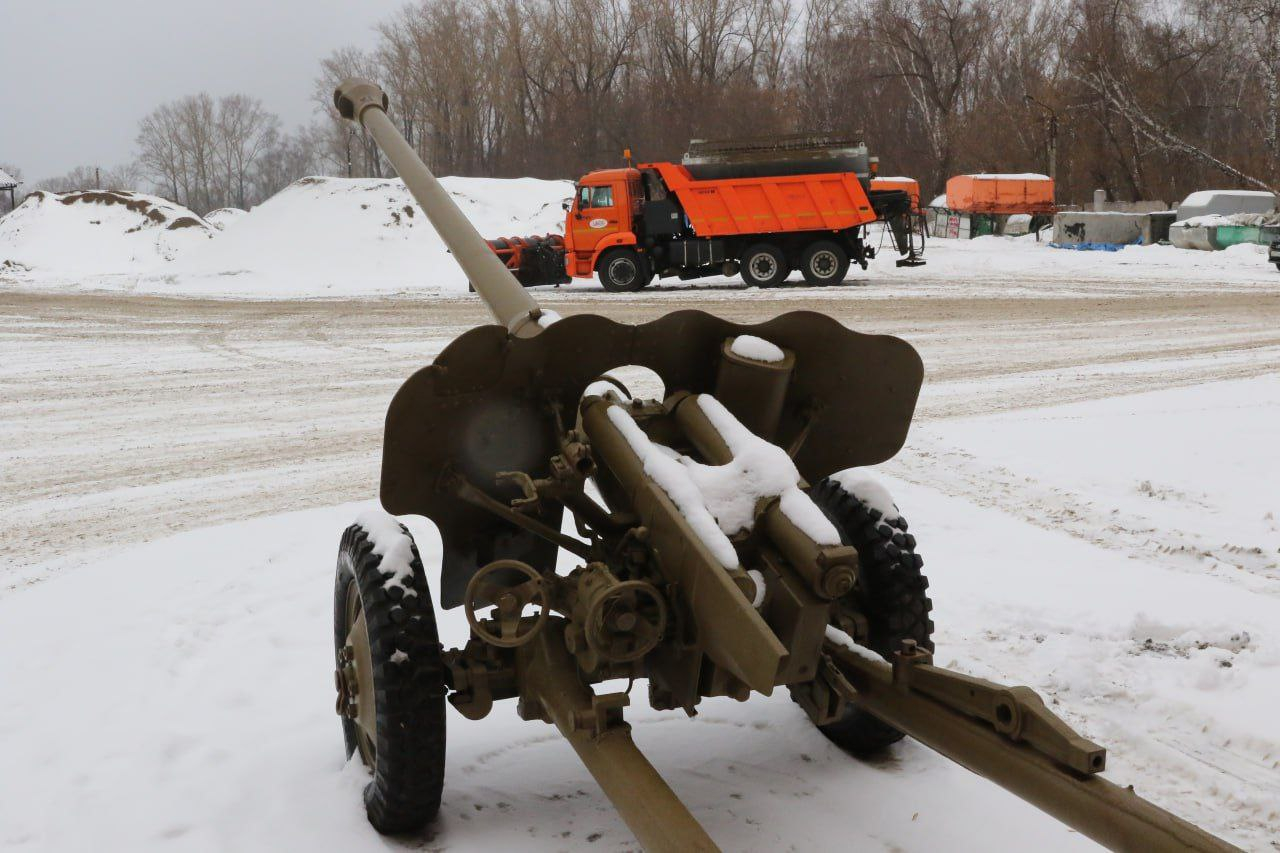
(1089, 247)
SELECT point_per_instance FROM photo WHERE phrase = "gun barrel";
(364, 103)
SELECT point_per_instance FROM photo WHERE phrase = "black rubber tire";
(624, 271)
(404, 794)
(892, 599)
(824, 263)
(764, 265)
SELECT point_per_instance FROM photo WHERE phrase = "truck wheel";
(624, 271)
(824, 262)
(764, 265)
(891, 597)
(390, 677)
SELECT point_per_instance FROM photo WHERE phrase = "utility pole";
(1053, 134)
(97, 178)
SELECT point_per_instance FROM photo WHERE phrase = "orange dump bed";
(1000, 194)
(910, 185)
(731, 206)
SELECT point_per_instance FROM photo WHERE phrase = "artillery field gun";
(707, 563)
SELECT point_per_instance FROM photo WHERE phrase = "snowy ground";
(1092, 482)
(338, 237)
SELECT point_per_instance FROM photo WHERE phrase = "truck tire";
(764, 265)
(823, 263)
(624, 271)
(406, 755)
(892, 599)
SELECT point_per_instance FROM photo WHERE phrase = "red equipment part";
(534, 260)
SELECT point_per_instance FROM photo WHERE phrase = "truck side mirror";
(566, 204)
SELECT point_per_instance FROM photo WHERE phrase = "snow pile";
(338, 236)
(719, 501)
(97, 231)
(757, 349)
(224, 216)
(1226, 203)
(1212, 220)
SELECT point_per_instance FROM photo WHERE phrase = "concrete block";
(1100, 227)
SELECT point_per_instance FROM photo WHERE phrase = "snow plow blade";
(534, 261)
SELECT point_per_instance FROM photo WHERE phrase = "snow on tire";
(379, 563)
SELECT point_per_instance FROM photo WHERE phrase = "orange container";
(1000, 194)
(911, 186)
(732, 206)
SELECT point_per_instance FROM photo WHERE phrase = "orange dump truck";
(760, 216)
(1001, 194)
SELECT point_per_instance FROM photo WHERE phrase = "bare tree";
(244, 132)
(936, 48)
(205, 153)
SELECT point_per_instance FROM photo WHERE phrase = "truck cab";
(605, 206)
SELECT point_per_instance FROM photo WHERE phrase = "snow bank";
(1215, 219)
(339, 236)
(1225, 203)
(224, 216)
(97, 231)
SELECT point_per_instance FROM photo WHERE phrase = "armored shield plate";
(487, 404)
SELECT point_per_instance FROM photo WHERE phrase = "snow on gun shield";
(711, 568)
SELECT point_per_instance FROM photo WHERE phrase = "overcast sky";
(77, 75)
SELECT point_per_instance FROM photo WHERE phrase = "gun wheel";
(891, 600)
(390, 678)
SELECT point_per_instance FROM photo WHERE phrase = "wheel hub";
(345, 680)
(354, 679)
(763, 266)
(823, 264)
(622, 271)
